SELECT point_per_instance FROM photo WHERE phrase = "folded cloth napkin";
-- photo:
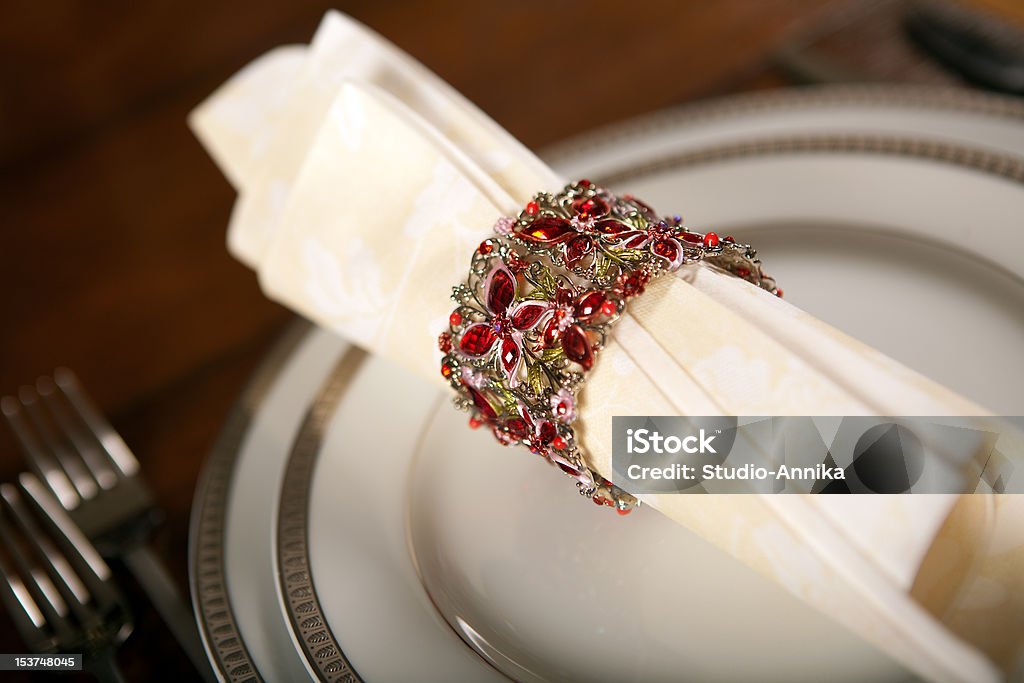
(364, 184)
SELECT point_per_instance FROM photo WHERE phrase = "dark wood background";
(112, 258)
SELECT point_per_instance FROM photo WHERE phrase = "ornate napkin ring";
(540, 301)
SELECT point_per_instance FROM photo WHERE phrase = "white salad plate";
(349, 527)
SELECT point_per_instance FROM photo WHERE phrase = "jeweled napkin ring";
(539, 304)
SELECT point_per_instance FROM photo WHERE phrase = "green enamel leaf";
(547, 282)
(630, 255)
(544, 280)
(539, 295)
(535, 378)
(553, 354)
(506, 395)
(638, 221)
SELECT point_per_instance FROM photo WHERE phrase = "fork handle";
(104, 667)
(152, 575)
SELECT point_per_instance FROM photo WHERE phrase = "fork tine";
(80, 553)
(62, 577)
(24, 611)
(114, 446)
(80, 579)
(87, 446)
(41, 462)
(37, 585)
(73, 467)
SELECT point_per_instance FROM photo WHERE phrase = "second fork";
(71, 447)
(56, 587)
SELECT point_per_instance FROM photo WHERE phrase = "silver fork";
(55, 586)
(87, 466)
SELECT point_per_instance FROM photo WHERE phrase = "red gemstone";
(743, 272)
(515, 263)
(558, 443)
(635, 241)
(778, 292)
(482, 404)
(562, 408)
(584, 183)
(455, 319)
(527, 314)
(571, 471)
(518, 428)
(446, 370)
(610, 227)
(594, 206)
(577, 348)
(546, 231)
(477, 339)
(711, 240)
(547, 433)
(692, 237)
(577, 249)
(444, 342)
(532, 208)
(485, 248)
(598, 500)
(729, 238)
(666, 249)
(551, 333)
(501, 290)
(609, 308)
(631, 285)
(474, 423)
(509, 354)
(589, 305)
(624, 511)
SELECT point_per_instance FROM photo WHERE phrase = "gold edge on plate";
(955, 154)
(207, 579)
(319, 646)
(813, 97)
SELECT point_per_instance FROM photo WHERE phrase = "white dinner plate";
(346, 508)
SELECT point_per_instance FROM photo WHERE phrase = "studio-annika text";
(643, 441)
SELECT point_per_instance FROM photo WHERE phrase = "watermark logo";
(824, 455)
(651, 441)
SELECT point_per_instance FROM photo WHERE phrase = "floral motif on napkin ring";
(539, 304)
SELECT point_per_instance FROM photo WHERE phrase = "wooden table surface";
(113, 258)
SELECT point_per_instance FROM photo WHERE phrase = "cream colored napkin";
(364, 184)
